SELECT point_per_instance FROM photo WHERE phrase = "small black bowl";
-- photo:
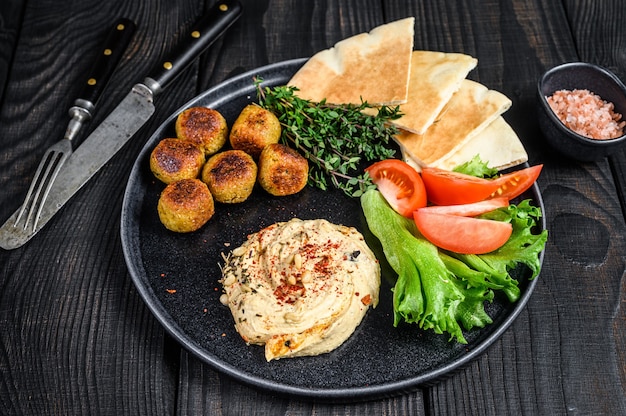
(579, 75)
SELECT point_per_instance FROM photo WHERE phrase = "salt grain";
(587, 114)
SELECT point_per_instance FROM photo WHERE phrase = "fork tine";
(36, 183)
(43, 180)
(58, 163)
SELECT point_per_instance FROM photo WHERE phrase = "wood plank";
(76, 337)
(10, 18)
(600, 39)
(203, 391)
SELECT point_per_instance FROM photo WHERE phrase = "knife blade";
(124, 121)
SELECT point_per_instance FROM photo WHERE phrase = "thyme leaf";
(336, 139)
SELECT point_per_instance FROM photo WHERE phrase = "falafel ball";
(185, 205)
(254, 128)
(230, 176)
(204, 126)
(175, 159)
(282, 170)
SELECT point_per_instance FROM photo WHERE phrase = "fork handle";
(114, 46)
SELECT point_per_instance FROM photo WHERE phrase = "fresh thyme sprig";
(336, 139)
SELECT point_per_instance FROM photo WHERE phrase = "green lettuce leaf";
(446, 291)
(425, 292)
(476, 167)
(523, 247)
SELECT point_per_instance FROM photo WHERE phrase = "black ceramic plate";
(177, 276)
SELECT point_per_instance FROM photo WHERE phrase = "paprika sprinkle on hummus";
(587, 114)
(300, 287)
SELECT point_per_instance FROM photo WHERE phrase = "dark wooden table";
(76, 338)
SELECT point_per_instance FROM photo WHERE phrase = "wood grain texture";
(10, 20)
(598, 39)
(75, 336)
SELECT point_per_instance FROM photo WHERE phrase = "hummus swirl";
(300, 287)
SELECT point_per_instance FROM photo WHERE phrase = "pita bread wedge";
(435, 77)
(498, 145)
(472, 108)
(372, 67)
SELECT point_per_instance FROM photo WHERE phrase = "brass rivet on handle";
(223, 7)
(107, 52)
(167, 65)
(195, 34)
(91, 81)
(120, 26)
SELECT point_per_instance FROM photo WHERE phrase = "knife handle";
(204, 32)
(114, 47)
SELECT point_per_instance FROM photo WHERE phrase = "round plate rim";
(128, 240)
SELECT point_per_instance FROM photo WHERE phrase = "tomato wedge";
(452, 188)
(465, 235)
(469, 210)
(514, 184)
(445, 187)
(400, 184)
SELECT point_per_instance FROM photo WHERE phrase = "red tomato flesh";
(452, 188)
(514, 184)
(465, 235)
(469, 210)
(400, 184)
(445, 187)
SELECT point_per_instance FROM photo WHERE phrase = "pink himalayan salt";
(587, 114)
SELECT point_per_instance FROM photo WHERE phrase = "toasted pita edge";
(356, 68)
(469, 111)
(498, 145)
(435, 77)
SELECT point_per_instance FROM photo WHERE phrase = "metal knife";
(123, 122)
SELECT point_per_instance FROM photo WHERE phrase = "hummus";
(300, 287)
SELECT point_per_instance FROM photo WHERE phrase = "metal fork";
(80, 113)
(49, 168)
